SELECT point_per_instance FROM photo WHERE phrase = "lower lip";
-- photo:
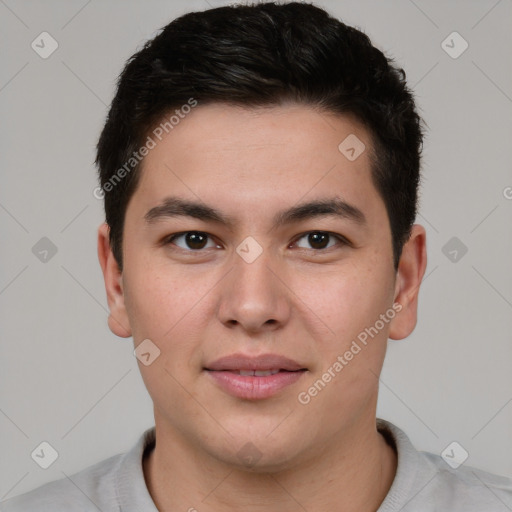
(254, 388)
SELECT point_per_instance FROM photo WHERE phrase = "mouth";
(255, 373)
(254, 378)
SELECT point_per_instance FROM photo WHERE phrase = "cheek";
(157, 294)
(169, 308)
(349, 299)
(148, 303)
(352, 357)
(161, 310)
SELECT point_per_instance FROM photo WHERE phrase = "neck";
(353, 473)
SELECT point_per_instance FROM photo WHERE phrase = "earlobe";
(411, 270)
(118, 321)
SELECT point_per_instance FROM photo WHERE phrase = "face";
(236, 274)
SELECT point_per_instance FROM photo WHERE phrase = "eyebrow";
(176, 207)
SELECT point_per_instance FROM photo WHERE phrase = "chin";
(259, 453)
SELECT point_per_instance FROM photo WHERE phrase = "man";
(259, 167)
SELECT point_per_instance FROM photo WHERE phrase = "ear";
(118, 318)
(411, 269)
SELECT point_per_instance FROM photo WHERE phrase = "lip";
(262, 362)
(225, 373)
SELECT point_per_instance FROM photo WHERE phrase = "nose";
(254, 296)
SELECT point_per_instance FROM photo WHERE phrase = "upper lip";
(262, 362)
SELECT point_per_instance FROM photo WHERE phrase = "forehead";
(238, 157)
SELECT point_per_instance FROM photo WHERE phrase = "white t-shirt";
(424, 482)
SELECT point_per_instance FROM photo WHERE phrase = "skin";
(293, 300)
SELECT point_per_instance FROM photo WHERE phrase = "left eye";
(319, 239)
(194, 240)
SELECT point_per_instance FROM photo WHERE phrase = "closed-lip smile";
(254, 377)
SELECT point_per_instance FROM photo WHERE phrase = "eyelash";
(342, 240)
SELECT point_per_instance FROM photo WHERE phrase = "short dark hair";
(265, 54)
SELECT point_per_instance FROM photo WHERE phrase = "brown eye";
(196, 240)
(319, 240)
(192, 240)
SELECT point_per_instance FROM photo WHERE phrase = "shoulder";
(114, 484)
(87, 490)
(425, 482)
(467, 488)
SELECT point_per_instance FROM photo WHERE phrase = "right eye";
(192, 241)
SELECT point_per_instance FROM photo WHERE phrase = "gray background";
(66, 379)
